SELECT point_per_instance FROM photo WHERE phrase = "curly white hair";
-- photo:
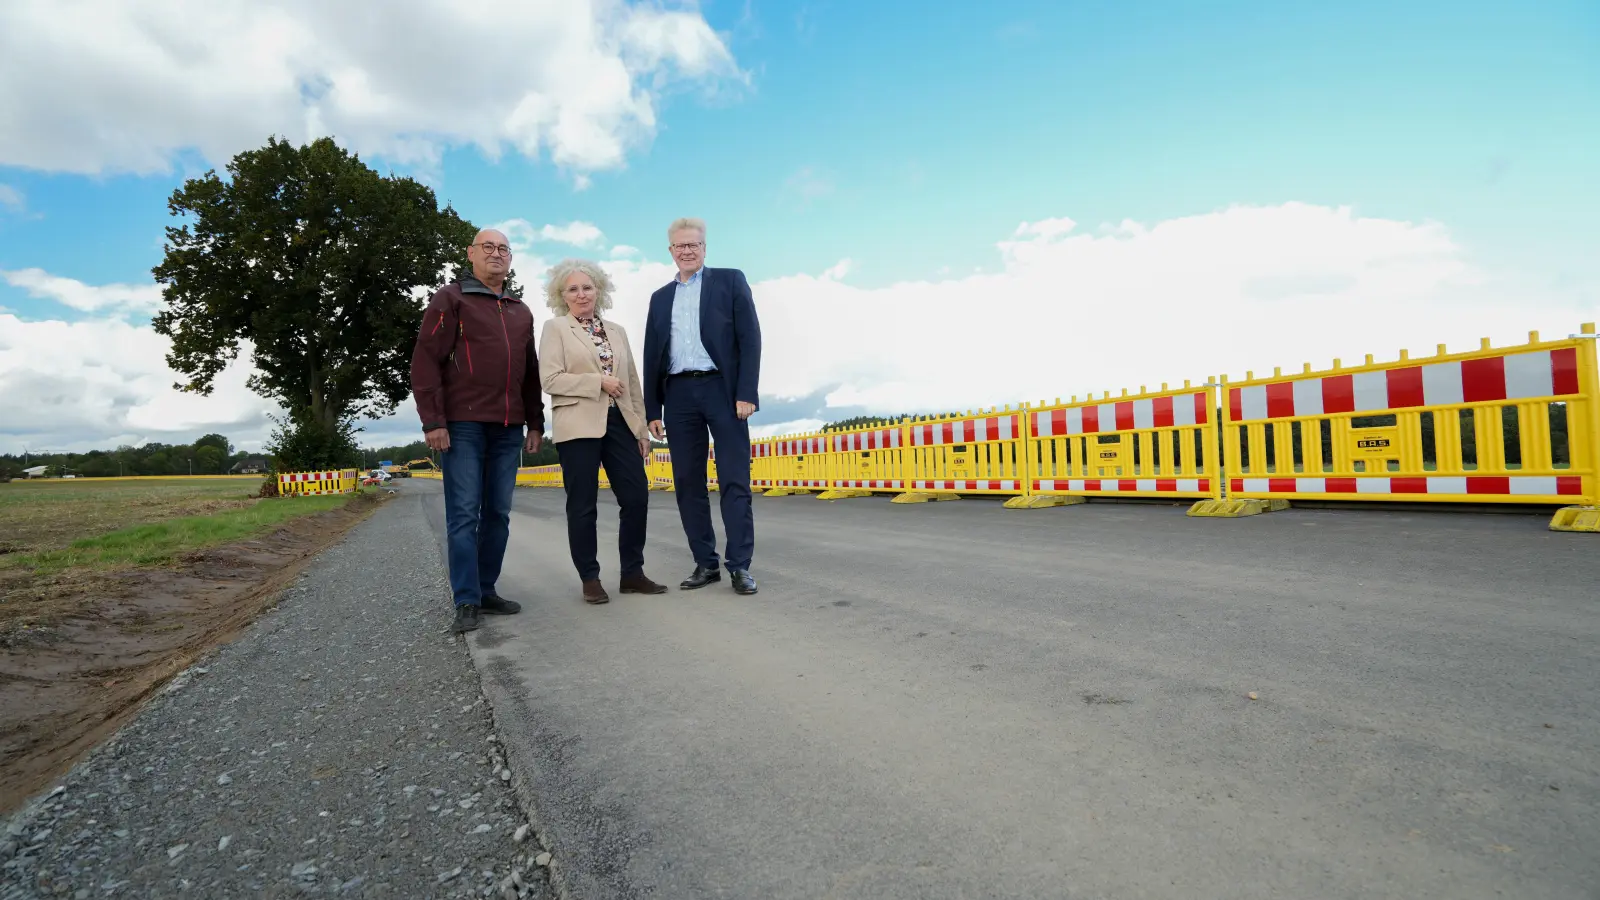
(556, 284)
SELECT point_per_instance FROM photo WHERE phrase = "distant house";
(250, 465)
(35, 472)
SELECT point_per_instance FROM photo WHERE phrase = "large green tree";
(319, 262)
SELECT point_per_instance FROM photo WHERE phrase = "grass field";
(51, 526)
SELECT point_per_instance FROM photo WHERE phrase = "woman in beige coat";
(587, 368)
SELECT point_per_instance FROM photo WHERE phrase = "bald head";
(490, 255)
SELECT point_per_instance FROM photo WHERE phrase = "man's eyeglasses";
(685, 248)
(492, 249)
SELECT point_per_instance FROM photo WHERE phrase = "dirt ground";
(66, 686)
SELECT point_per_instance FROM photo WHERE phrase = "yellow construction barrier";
(539, 476)
(796, 464)
(308, 484)
(867, 460)
(1494, 425)
(1160, 444)
(948, 456)
(659, 470)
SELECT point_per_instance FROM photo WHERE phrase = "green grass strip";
(160, 543)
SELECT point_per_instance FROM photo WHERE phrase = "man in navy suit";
(702, 359)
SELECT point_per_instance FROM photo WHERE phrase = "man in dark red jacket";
(476, 379)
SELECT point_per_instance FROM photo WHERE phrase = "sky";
(939, 205)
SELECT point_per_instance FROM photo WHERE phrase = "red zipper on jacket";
(500, 305)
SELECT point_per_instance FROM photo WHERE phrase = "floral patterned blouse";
(597, 333)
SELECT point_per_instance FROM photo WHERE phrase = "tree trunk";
(325, 410)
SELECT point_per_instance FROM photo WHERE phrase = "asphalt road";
(956, 700)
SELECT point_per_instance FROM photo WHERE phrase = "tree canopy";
(317, 261)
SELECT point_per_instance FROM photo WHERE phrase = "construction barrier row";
(309, 484)
(1493, 425)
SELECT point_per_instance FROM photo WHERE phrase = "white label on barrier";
(1183, 410)
(1531, 484)
(1253, 403)
(1529, 375)
(1371, 391)
(1308, 397)
(1441, 384)
(1144, 414)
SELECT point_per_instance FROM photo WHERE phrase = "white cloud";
(100, 85)
(124, 298)
(1135, 305)
(623, 251)
(1064, 313)
(523, 235)
(806, 185)
(100, 383)
(12, 199)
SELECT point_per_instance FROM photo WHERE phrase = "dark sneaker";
(496, 605)
(466, 619)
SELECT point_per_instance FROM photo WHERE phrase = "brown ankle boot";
(594, 592)
(640, 583)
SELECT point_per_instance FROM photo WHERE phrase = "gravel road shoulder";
(341, 747)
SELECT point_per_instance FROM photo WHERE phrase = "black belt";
(695, 373)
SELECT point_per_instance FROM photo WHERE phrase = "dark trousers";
(695, 407)
(581, 459)
(480, 472)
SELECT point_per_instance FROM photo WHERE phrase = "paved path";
(340, 748)
(957, 700)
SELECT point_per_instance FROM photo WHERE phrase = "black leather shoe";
(496, 605)
(466, 619)
(743, 581)
(702, 576)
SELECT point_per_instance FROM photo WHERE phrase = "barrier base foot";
(1577, 518)
(1235, 509)
(843, 494)
(1043, 502)
(786, 492)
(925, 497)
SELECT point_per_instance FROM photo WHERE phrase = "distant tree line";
(210, 455)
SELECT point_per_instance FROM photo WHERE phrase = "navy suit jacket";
(728, 328)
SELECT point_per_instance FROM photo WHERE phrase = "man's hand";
(533, 441)
(658, 431)
(438, 439)
(744, 410)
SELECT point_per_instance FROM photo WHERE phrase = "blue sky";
(910, 138)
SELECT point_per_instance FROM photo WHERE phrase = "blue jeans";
(480, 472)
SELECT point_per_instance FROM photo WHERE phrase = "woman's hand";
(644, 449)
(611, 385)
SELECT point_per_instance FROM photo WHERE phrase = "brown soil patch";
(67, 686)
